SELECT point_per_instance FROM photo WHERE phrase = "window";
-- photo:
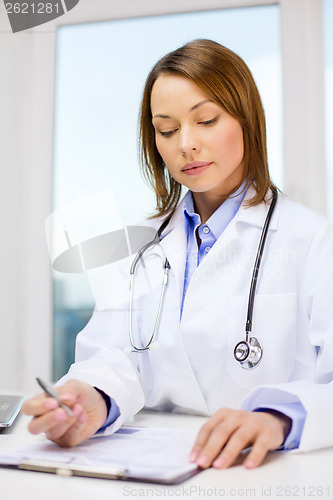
(100, 74)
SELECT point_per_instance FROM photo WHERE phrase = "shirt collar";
(220, 219)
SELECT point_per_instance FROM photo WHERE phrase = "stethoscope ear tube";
(248, 352)
(155, 241)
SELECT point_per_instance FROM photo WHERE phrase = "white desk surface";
(284, 474)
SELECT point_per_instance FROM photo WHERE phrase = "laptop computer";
(9, 409)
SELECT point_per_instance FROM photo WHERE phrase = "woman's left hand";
(223, 437)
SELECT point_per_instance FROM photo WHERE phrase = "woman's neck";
(205, 204)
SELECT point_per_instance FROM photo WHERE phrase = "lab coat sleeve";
(101, 362)
(316, 396)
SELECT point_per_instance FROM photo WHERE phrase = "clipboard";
(36, 458)
(102, 473)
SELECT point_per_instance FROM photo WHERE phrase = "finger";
(49, 420)
(269, 439)
(36, 405)
(257, 454)
(45, 422)
(237, 442)
(216, 441)
(71, 391)
(68, 393)
(205, 432)
(201, 440)
(42, 403)
(56, 432)
(74, 434)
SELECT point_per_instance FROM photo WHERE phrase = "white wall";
(26, 122)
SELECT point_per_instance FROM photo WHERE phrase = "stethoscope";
(247, 352)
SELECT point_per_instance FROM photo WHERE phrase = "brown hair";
(225, 78)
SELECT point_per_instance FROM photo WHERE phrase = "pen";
(53, 394)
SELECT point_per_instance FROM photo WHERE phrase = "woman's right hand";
(88, 408)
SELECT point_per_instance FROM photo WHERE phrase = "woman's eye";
(208, 122)
(167, 133)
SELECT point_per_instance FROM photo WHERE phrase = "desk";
(283, 475)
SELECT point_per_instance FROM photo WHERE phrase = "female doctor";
(252, 352)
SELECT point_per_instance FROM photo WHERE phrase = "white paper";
(153, 452)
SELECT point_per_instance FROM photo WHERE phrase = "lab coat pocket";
(274, 325)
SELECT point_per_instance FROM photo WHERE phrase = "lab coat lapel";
(174, 244)
(252, 216)
(256, 215)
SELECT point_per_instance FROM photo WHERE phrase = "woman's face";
(200, 143)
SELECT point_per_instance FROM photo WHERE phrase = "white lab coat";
(193, 369)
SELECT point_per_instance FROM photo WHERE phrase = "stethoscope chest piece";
(248, 353)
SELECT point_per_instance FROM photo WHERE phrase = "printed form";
(153, 454)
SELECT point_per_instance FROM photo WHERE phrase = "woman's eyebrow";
(161, 116)
(199, 104)
(196, 106)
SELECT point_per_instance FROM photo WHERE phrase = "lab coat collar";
(174, 238)
(256, 216)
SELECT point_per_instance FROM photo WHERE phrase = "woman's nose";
(188, 142)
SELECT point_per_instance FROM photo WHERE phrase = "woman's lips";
(196, 167)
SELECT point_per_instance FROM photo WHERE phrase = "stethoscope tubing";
(155, 241)
(256, 267)
(250, 344)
